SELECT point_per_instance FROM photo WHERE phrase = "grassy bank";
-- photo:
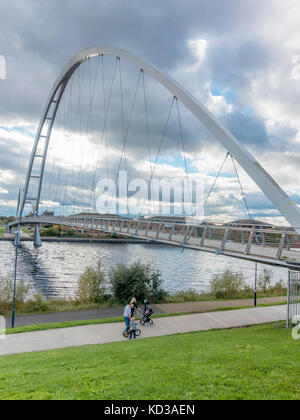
(260, 362)
(138, 280)
(69, 324)
(1, 231)
(39, 305)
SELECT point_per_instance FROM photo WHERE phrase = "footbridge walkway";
(274, 246)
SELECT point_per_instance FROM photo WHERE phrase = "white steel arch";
(264, 181)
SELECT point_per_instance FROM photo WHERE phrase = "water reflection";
(53, 270)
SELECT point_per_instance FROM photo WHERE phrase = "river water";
(54, 269)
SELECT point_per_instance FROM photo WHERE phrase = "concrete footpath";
(106, 333)
(165, 308)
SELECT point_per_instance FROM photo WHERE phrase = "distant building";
(250, 223)
(258, 225)
(106, 215)
(178, 220)
(48, 213)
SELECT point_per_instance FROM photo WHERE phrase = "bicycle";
(127, 332)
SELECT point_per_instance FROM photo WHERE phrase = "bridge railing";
(248, 240)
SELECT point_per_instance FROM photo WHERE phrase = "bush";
(186, 296)
(7, 292)
(137, 280)
(264, 280)
(37, 304)
(227, 284)
(91, 285)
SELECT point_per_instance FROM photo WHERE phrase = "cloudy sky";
(240, 59)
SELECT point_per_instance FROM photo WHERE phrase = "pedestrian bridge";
(72, 186)
(274, 246)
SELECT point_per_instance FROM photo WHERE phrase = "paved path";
(105, 333)
(85, 315)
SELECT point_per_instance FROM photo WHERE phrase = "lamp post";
(17, 242)
(255, 287)
(288, 300)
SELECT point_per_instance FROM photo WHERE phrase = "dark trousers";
(127, 322)
(132, 334)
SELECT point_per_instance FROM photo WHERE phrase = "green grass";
(45, 306)
(69, 324)
(58, 325)
(261, 362)
(1, 231)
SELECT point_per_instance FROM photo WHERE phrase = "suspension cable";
(183, 149)
(243, 194)
(147, 122)
(126, 134)
(206, 199)
(104, 124)
(69, 120)
(123, 112)
(159, 149)
(79, 122)
(214, 183)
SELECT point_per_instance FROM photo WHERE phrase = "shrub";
(7, 291)
(91, 285)
(227, 284)
(37, 304)
(279, 288)
(264, 280)
(137, 280)
(186, 296)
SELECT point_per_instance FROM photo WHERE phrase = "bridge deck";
(279, 247)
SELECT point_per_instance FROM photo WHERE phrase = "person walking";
(127, 315)
(133, 306)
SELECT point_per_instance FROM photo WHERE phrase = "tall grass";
(92, 285)
(7, 291)
(92, 293)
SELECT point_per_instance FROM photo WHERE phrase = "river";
(54, 269)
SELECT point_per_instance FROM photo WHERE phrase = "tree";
(138, 280)
(91, 285)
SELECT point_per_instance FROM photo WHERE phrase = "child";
(133, 329)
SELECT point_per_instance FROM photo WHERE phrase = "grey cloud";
(37, 38)
(248, 129)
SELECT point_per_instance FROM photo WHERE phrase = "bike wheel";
(151, 322)
(125, 333)
(138, 332)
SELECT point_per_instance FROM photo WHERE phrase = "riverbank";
(159, 309)
(39, 305)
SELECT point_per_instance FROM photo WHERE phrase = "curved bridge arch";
(264, 181)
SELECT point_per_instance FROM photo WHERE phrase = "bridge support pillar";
(37, 236)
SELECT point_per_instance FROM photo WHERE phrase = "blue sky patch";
(19, 128)
(217, 90)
